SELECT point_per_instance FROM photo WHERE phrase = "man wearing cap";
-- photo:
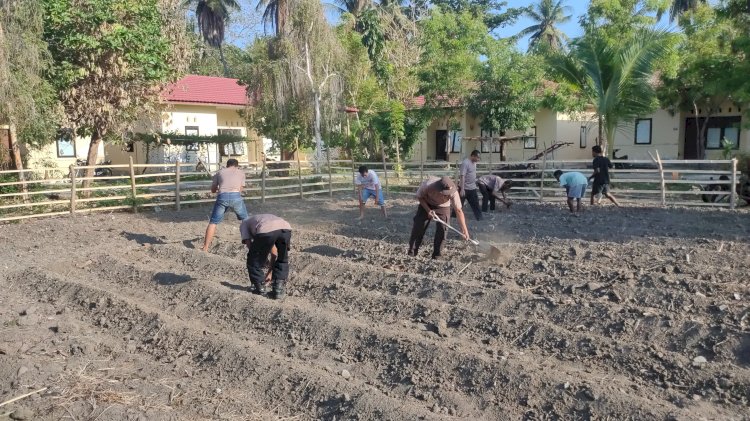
(436, 195)
(261, 234)
(229, 183)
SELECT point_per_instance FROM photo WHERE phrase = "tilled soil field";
(634, 313)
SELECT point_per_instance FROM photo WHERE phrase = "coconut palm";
(616, 79)
(354, 7)
(547, 14)
(212, 16)
(679, 7)
(275, 14)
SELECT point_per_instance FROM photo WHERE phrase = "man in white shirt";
(467, 184)
(262, 234)
(368, 185)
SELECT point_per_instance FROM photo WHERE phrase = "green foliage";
(27, 99)
(110, 59)
(616, 79)
(493, 13)
(452, 44)
(506, 97)
(547, 14)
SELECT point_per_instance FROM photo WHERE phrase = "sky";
(243, 30)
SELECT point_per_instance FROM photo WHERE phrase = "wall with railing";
(43, 192)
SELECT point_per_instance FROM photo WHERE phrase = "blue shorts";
(226, 201)
(577, 191)
(368, 193)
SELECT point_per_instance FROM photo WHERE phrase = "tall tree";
(708, 61)
(617, 79)
(507, 93)
(275, 14)
(112, 60)
(353, 7)
(494, 13)
(547, 15)
(678, 7)
(213, 16)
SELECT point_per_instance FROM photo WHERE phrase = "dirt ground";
(635, 313)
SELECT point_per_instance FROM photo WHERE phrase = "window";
(192, 131)
(66, 147)
(729, 130)
(496, 145)
(234, 148)
(455, 138)
(643, 131)
(529, 142)
(582, 137)
(486, 142)
(192, 147)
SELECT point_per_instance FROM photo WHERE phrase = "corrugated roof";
(207, 90)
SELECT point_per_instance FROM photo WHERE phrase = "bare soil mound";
(634, 313)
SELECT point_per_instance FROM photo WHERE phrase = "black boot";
(258, 288)
(279, 289)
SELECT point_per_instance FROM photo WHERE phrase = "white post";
(73, 193)
(132, 185)
(177, 184)
(733, 196)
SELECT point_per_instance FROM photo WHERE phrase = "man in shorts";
(493, 188)
(229, 183)
(575, 185)
(601, 165)
(368, 185)
(436, 196)
(262, 234)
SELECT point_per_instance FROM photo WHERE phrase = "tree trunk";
(96, 139)
(223, 61)
(17, 160)
(599, 140)
(318, 136)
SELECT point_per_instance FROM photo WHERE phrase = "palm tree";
(547, 14)
(679, 7)
(616, 79)
(354, 7)
(275, 14)
(213, 16)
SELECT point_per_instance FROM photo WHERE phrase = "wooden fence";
(655, 181)
(55, 191)
(44, 192)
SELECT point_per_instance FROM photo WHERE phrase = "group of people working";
(267, 234)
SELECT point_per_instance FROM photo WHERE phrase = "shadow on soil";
(168, 279)
(235, 287)
(142, 239)
(327, 251)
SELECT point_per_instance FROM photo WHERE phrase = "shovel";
(491, 252)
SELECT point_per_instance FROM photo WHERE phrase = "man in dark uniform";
(261, 234)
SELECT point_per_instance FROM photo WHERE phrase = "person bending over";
(261, 234)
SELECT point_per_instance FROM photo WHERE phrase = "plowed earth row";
(620, 314)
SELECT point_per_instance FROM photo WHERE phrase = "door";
(441, 145)
(717, 129)
(690, 148)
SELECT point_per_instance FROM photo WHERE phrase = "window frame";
(196, 128)
(650, 131)
(722, 136)
(72, 143)
(486, 145)
(527, 138)
(583, 135)
(454, 136)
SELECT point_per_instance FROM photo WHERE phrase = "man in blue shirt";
(575, 185)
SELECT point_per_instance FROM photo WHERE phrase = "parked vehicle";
(101, 170)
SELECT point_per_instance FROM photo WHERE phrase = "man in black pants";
(436, 196)
(261, 234)
(467, 184)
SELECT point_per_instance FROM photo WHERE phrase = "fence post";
(354, 176)
(299, 169)
(73, 193)
(132, 185)
(421, 162)
(663, 183)
(330, 182)
(385, 169)
(177, 184)
(733, 196)
(541, 183)
(263, 182)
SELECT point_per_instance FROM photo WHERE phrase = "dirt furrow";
(417, 380)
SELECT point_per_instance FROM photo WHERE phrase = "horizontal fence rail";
(44, 192)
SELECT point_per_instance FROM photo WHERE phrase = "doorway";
(717, 129)
(441, 145)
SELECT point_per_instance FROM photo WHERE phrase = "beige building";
(673, 134)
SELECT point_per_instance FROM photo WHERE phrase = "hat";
(446, 186)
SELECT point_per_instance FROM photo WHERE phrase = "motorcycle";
(100, 171)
